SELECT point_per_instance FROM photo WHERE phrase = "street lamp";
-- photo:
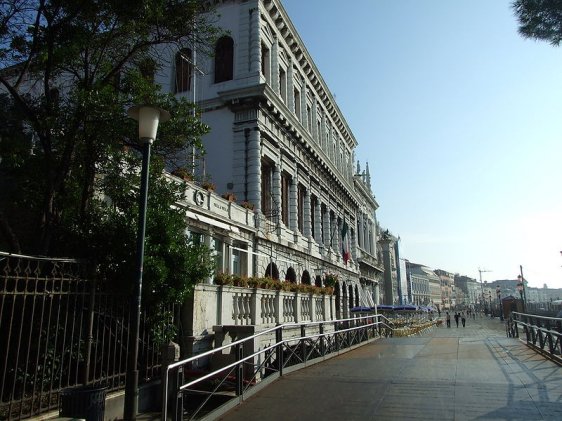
(148, 118)
(498, 293)
(520, 288)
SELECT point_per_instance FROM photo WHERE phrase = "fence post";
(298, 306)
(303, 342)
(279, 349)
(170, 354)
(322, 339)
(239, 370)
(90, 338)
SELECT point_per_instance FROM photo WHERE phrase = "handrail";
(542, 333)
(360, 326)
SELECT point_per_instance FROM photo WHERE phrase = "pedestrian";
(463, 319)
(448, 318)
(439, 311)
(457, 316)
(473, 315)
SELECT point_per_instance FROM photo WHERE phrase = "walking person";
(448, 318)
(457, 316)
(463, 319)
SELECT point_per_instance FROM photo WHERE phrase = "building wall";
(279, 141)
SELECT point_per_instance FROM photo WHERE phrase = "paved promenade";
(471, 373)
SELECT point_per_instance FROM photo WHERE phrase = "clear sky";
(460, 120)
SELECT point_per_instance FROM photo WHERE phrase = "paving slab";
(471, 373)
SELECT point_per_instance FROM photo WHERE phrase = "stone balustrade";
(225, 305)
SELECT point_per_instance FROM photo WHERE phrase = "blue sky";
(460, 120)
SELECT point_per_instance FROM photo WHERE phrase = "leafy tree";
(540, 19)
(69, 173)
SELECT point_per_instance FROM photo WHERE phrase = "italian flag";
(345, 243)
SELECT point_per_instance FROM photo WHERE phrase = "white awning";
(213, 222)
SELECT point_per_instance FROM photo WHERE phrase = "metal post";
(132, 378)
(90, 338)
(239, 370)
(279, 340)
(524, 295)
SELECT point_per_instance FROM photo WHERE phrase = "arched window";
(291, 275)
(272, 271)
(318, 281)
(184, 70)
(224, 59)
(305, 278)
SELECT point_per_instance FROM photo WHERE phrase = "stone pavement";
(471, 373)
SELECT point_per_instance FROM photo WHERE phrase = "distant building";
(447, 280)
(391, 289)
(470, 290)
(425, 285)
(280, 144)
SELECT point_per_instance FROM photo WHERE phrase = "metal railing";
(251, 363)
(543, 334)
(60, 328)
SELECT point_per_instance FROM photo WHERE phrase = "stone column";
(277, 191)
(303, 103)
(386, 257)
(293, 205)
(360, 229)
(290, 87)
(208, 241)
(254, 168)
(255, 47)
(318, 223)
(307, 226)
(327, 232)
(275, 66)
(314, 129)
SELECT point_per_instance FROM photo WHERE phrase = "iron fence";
(193, 392)
(543, 334)
(61, 328)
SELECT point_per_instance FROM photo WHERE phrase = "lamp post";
(148, 118)
(498, 293)
(521, 288)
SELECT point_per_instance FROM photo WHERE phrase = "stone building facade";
(280, 144)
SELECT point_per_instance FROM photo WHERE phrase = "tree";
(71, 68)
(540, 19)
(69, 172)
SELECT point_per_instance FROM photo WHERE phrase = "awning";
(213, 222)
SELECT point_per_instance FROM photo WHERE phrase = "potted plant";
(330, 279)
(248, 205)
(208, 185)
(229, 196)
(183, 173)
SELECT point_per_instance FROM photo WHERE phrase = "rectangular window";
(301, 192)
(184, 70)
(313, 204)
(265, 62)
(219, 255)
(239, 260)
(297, 96)
(266, 189)
(283, 84)
(285, 183)
(308, 118)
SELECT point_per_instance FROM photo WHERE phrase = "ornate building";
(280, 144)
